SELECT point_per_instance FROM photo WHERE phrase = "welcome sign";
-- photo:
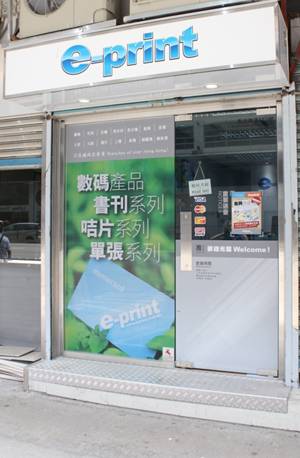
(161, 47)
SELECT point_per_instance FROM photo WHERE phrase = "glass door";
(227, 241)
(20, 254)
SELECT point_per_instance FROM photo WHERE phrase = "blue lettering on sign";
(78, 58)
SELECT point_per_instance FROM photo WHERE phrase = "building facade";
(164, 194)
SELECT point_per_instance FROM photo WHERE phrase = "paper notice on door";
(246, 213)
(200, 187)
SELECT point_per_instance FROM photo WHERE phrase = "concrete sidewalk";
(35, 425)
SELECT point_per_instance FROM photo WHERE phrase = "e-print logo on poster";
(133, 316)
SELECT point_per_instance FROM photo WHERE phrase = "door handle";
(186, 247)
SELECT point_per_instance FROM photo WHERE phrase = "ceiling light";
(84, 100)
(211, 86)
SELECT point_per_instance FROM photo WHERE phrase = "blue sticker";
(131, 310)
(265, 183)
(200, 199)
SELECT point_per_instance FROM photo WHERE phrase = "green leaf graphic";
(97, 343)
(167, 340)
(79, 337)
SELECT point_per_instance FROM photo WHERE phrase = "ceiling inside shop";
(248, 142)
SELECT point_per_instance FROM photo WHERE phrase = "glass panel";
(20, 214)
(236, 152)
(119, 238)
(227, 241)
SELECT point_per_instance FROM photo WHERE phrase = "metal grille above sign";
(21, 136)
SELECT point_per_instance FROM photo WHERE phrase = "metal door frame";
(186, 248)
(173, 108)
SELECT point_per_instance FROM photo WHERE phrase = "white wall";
(10, 107)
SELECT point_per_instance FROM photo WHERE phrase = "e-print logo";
(78, 58)
(137, 314)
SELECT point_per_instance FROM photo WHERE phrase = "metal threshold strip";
(32, 262)
(188, 386)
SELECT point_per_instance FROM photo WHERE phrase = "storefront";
(169, 242)
(210, 200)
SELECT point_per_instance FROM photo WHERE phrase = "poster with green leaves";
(119, 238)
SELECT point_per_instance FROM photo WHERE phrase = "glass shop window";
(20, 213)
(233, 154)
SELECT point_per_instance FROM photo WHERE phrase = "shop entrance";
(172, 257)
(227, 241)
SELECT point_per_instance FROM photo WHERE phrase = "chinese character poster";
(119, 239)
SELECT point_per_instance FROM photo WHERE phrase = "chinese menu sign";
(119, 241)
(246, 213)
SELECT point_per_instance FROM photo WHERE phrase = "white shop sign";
(200, 187)
(196, 43)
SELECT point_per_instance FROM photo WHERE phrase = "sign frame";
(10, 92)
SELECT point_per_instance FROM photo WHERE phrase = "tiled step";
(180, 385)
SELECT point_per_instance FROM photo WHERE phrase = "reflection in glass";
(20, 211)
(237, 151)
